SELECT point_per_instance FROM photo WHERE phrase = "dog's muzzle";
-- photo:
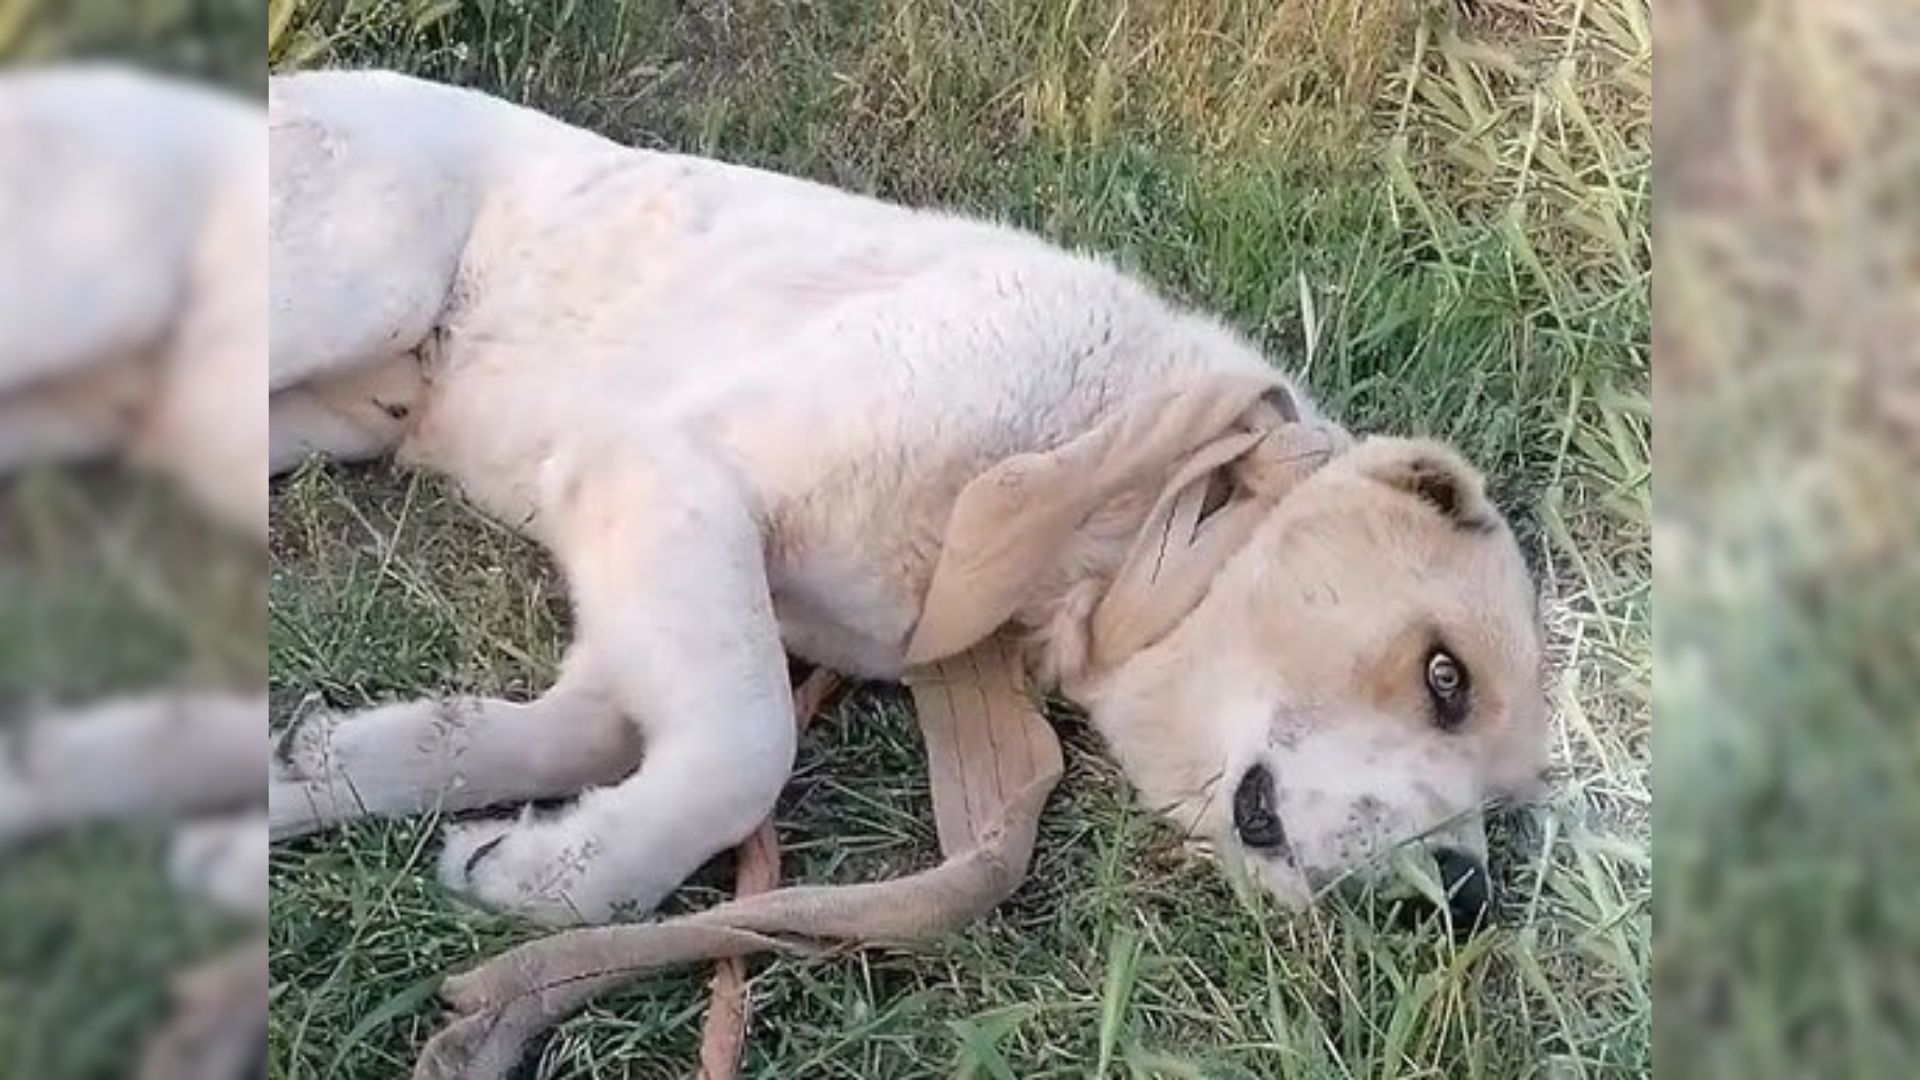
(1469, 893)
(1469, 889)
(1464, 878)
(1255, 821)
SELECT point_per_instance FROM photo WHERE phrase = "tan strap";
(219, 1019)
(723, 1035)
(514, 997)
(1181, 548)
(977, 708)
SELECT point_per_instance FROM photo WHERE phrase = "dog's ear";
(1012, 521)
(1433, 474)
(1205, 514)
(1279, 404)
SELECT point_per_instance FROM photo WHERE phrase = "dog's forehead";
(1359, 579)
(1345, 526)
(1489, 579)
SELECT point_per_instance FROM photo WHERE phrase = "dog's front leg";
(667, 568)
(143, 757)
(451, 754)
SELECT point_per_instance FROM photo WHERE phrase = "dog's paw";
(305, 792)
(224, 862)
(542, 871)
(22, 809)
(301, 751)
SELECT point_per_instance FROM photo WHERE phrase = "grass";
(1787, 569)
(1440, 216)
(109, 585)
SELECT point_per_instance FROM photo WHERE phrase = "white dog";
(740, 409)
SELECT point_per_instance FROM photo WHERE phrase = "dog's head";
(1362, 675)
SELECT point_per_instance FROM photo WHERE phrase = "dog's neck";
(1144, 559)
(1059, 616)
(1103, 544)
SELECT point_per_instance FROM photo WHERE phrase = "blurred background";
(1787, 553)
(219, 42)
(132, 594)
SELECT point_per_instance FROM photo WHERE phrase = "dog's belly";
(845, 618)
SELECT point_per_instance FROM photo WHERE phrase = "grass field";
(1439, 215)
(108, 585)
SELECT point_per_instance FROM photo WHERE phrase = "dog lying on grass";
(748, 416)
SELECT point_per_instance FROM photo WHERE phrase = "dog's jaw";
(1186, 772)
(1176, 754)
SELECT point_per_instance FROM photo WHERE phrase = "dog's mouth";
(1459, 884)
(1465, 901)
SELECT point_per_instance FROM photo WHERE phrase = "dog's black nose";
(1254, 818)
(1469, 890)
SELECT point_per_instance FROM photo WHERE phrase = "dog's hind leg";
(451, 754)
(352, 415)
(667, 566)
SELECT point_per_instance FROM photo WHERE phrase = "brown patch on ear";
(1443, 483)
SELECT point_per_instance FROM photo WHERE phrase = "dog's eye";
(1447, 685)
